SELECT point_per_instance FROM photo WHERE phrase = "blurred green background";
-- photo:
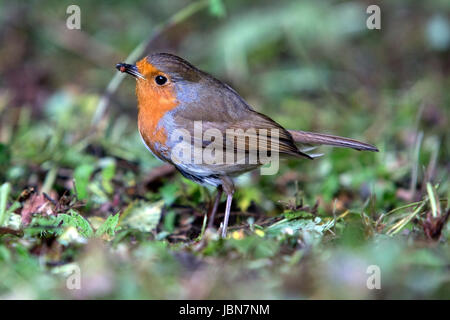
(135, 229)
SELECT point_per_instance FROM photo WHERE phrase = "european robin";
(207, 130)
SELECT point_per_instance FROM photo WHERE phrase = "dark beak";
(130, 69)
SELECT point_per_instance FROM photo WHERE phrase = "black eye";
(160, 80)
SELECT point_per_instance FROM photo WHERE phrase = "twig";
(177, 18)
(403, 222)
(415, 167)
(50, 179)
(334, 215)
(81, 43)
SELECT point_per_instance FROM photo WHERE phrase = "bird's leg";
(227, 215)
(228, 187)
(215, 206)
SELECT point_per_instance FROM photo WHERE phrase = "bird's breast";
(154, 106)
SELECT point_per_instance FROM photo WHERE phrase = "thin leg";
(214, 208)
(227, 215)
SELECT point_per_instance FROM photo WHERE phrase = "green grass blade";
(4, 193)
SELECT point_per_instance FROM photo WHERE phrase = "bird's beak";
(130, 69)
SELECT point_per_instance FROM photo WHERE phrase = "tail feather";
(326, 139)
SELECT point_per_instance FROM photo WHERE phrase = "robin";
(182, 107)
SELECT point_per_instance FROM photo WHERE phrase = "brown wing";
(270, 136)
(252, 132)
(218, 106)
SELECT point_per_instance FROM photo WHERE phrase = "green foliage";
(217, 8)
(43, 227)
(315, 226)
(82, 175)
(73, 219)
(108, 172)
(142, 216)
(255, 247)
(169, 193)
(5, 158)
(169, 221)
(109, 227)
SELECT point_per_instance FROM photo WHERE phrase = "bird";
(175, 99)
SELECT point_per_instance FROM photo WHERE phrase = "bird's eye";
(160, 80)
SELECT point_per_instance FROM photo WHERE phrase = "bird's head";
(162, 76)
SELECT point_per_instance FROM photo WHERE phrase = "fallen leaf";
(36, 204)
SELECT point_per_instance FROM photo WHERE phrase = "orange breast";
(153, 103)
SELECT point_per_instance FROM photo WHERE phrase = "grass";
(147, 239)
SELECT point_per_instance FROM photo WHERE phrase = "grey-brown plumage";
(305, 137)
(174, 95)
